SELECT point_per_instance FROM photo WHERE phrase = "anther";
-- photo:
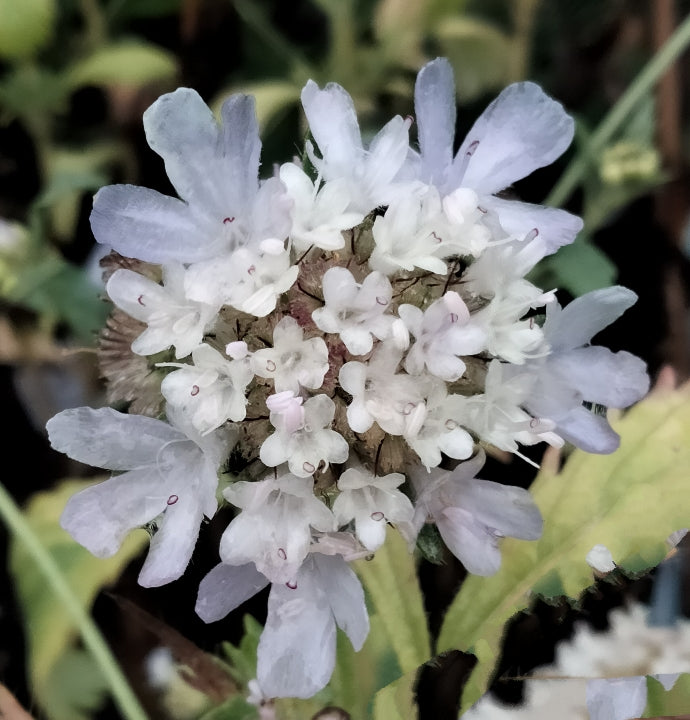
(453, 318)
(382, 300)
(173, 499)
(251, 269)
(482, 210)
(292, 585)
(270, 365)
(471, 149)
(450, 424)
(534, 422)
(531, 234)
(195, 390)
(408, 408)
(378, 515)
(228, 220)
(308, 467)
(282, 554)
(436, 237)
(140, 301)
(531, 323)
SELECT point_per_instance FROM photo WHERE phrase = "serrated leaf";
(49, 629)
(390, 580)
(629, 501)
(25, 25)
(125, 63)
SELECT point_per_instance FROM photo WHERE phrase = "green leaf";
(56, 289)
(243, 656)
(358, 676)
(235, 708)
(132, 63)
(390, 580)
(397, 700)
(32, 93)
(478, 51)
(629, 501)
(75, 687)
(273, 99)
(25, 26)
(667, 703)
(579, 268)
(49, 630)
(145, 8)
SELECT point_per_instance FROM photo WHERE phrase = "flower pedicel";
(340, 340)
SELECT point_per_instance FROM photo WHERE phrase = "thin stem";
(93, 640)
(642, 84)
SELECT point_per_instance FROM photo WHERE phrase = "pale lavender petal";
(469, 541)
(588, 431)
(578, 322)
(523, 129)
(181, 128)
(296, 652)
(144, 224)
(101, 516)
(173, 543)
(109, 439)
(345, 595)
(616, 380)
(509, 510)
(225, 588)
(616, 699)
(241, 148)
(434, 104)
(333, 122)
(556, 227)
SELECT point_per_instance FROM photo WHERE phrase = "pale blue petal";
(434, 104)
(345, 595)
(144, 224)
(296, 652)
(523, 129)
(556, 227)
(577, 323)
(225, 588)
(109, 439)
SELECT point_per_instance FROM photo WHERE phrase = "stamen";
(282, 554)
(531, 234)
(378, 515)
(408, 408)
(471, 148)
(251, 269)
(436, 237)
(450, 424)
(270, 365)
(228, 220)
(140, 301)
(482, 210)
(453, 318)
(195, 390)
(534, 422)
(308, 467)
(382, 301)
(172, 499)
(292, 585)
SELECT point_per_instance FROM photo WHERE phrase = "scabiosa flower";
(378, 329)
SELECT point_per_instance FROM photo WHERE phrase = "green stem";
(642, 84)
(122, 693)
